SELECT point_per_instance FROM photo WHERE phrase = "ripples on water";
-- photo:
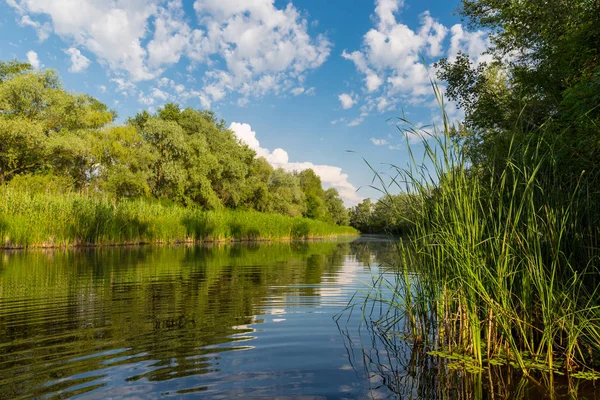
(251, 321)
(219, 321)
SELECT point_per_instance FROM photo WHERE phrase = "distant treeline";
(391, 214)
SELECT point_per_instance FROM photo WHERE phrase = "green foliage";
(545, 72)
(335, 207)
(505, 269)
(13, 67)
(22, 147)
(393, 214)
(187, 157)
(316, 200)
(361, 216)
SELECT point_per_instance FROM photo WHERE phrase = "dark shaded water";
(251, 321)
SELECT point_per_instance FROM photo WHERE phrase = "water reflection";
(149, 322)
(223, 321)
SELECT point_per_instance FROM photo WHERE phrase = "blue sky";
(301, 82)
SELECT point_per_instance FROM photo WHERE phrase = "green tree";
(335, 207)
(168, 141)
(13, 67)
(361, 216)
(543, 78)
(45, 128)
(124, 161)
(285, 194)
(310, 183)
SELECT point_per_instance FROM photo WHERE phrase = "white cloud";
(474, 44)
(298, 91)
(379, 142)
(32, 58)
(249, 48)
(126, 87)
(331, 176)
(79, 62)
(265, 49)
(346, 100)
(145, 100)
(112, 30)
(160, 95)
(392, 58)
(43, 30)
(102, 88)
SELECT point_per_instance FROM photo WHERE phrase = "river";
(266, 320)
(220, 321)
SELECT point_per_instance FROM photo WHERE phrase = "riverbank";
(75, 220)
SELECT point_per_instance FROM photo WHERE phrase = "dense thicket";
(55, 141)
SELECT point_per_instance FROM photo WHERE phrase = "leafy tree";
(335, 207)
(44, 127)
(285, 194)
(124, 161)
(22, 147)
(315, 195)
(167, 140)
(543, 79)
(361, 216)
(49, 136)
(13, 67)
(257, 190)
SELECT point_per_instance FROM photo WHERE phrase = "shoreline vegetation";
(72, 175)
(75, 220)
(502, 264)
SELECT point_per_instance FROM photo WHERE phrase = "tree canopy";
(544, 78)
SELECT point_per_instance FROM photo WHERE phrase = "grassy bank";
(64, 220)
(503, 264)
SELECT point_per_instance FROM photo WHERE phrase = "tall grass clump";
(502, 263)
(73, 219)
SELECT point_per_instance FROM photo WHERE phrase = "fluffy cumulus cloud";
(472, 43)
(246, 47)
(346, 100)
(33, 59)
(112, 30)
(79, 62)
(331, 176)
(391, 58)
(264, 49)
(43, 29)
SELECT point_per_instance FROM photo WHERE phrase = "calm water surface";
(214, 322)
(217, 322)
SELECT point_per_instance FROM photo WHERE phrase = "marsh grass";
(502, 264)
(71, 219)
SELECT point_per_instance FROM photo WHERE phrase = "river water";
(221, 321)
(250, 321)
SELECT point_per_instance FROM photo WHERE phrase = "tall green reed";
(72, 219)
(502, 264)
